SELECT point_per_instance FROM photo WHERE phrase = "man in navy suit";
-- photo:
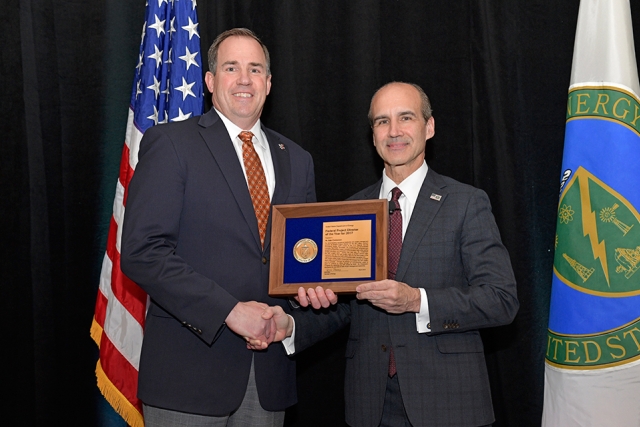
(414, 354)
(193, 242)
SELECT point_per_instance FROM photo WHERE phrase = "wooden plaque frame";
(280, 214)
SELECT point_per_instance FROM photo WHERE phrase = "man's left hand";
(391, 296)
(317, 298)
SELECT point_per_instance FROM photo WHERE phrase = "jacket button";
(264, 260)
(445, 326)
(384, 347)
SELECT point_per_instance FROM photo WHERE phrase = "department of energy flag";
(167, 87)
(592, 373)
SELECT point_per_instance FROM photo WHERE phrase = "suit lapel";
(217, 139)
(423, 214)
(281, 166)
(372, 192)
(282, 169)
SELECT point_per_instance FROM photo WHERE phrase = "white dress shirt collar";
(410, 187)
(234, 131)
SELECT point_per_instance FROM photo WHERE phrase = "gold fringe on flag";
(96, 332)
(116, 399)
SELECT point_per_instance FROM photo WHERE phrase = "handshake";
(260, 324)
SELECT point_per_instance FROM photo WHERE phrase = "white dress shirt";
(410, 188)
(261, 146)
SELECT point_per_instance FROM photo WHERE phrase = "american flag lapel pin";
(436, 197)
(282, 147)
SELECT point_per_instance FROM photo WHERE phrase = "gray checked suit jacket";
(452, 248)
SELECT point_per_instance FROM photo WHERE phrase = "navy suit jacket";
(452, 248)
(190, 240)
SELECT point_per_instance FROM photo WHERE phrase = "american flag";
(167, 87)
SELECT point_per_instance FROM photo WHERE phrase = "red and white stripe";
(121, 305)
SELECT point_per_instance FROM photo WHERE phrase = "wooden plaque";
(336, 245)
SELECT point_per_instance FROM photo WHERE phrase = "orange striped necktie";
(257, 183)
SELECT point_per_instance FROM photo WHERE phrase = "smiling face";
(400, 131)
(241, 82)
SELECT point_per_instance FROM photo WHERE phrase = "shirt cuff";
(423, 318)
(289, 342)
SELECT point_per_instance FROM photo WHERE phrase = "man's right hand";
(282, 327)
(246, 320)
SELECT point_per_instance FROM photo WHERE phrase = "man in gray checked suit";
(453, 278)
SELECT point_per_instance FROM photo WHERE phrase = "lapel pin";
(436, 197)
(282, 147)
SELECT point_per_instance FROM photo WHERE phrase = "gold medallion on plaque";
(305, 250)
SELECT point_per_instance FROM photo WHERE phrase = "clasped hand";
(280, 325)
(275, 325)
(259, 324)
(246, 320)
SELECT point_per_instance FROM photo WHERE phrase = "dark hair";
(237, 32)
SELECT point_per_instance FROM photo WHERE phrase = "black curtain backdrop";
(497, 73)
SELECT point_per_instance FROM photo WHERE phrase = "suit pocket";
(468, 342)
(351, 348)
(157, 311)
